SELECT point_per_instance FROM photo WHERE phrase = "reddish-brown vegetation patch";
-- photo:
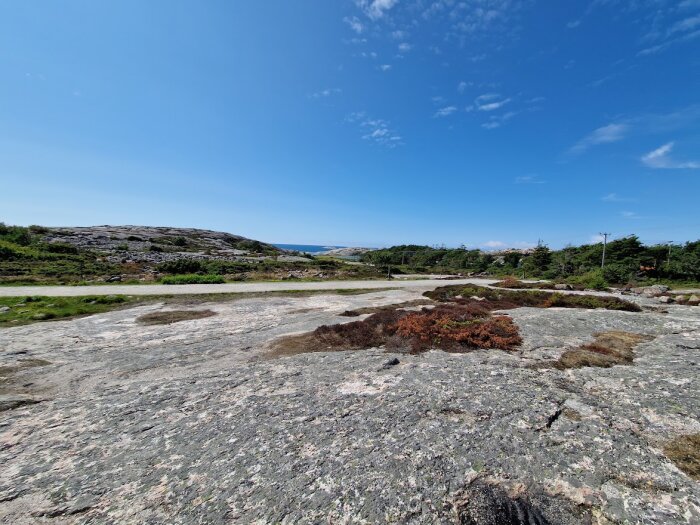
(462, 321)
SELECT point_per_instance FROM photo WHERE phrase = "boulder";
(693, 299)
(563, 286)
(666, 299)
(4, 309)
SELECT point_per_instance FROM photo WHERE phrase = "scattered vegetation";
(173, 316)
(24, 310)
(497, 299)
(684, 451)
(608, 349)
(193, 278)
(461, 321)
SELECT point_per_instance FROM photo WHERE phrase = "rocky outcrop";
(192, 422)
(140, 238)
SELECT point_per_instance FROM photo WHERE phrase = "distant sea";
(309, 248)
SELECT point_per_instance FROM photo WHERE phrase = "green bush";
(594, 280)
(181, 266)
(193, 279)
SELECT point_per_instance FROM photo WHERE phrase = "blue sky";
(488, 123)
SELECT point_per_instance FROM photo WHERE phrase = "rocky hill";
(156, 239)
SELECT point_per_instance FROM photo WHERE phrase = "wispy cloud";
(404, 47)
(629, 215)
(462, 86)
(496, 121)
(445, 112)
(374, 130)
(326, 93)
(494, 244)
(490, 102)
(376, 9)
(385, 67)
(603, 135)
(529, 179)
(355, 24)
(660, 159)
(573, 24)
(614, 197)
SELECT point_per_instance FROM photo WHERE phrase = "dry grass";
(608, 349)
(684, 451)
(174, 316)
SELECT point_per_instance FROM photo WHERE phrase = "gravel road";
(188, 289)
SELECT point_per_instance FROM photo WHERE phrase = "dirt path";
(186, 289)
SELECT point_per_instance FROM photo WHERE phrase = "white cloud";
(376, 9)
(355, 24)
(602, 135)
(385, 67)
(529, 179)
(326, 93)
(660, 159)
(494, 244)
(573, 24)
(444, 112)
(596, 239)
(375, 130)
(496, 121)
(687, 24)
(629, 215)
(490, 102)
(462, 86)
(399, 35)
(614, 197)
(404, 47)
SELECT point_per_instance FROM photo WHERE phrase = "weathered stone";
(4, 309)
(191, 423)
(563, 286)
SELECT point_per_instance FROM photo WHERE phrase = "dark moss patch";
(684, 451)
(174, 316)
(503, 299)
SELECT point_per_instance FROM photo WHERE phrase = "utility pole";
(605, 244)
(670, 244)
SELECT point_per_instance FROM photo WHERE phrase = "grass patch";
(193, 278)
(173, 316)
(497, 299)
(24, 310)
(684, 451)
(608, 349)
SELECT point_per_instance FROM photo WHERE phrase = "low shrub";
(193, 279)
(593, 280)
(499, 299)
(181, 266)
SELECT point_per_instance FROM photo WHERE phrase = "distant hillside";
(159, 239)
